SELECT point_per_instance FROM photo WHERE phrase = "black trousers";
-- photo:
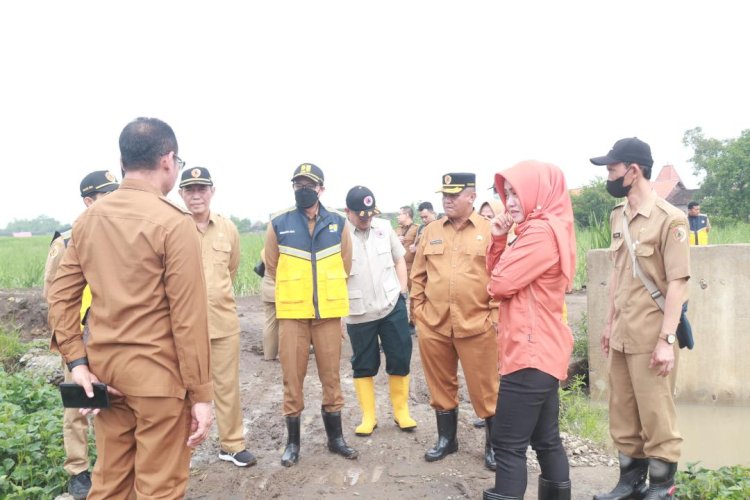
(393, 332)
(527, 412)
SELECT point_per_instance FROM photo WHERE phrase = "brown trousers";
(75, 436)
(225, 371)
(142, 450)
(295, 337)
(478, 356)
(642, 416)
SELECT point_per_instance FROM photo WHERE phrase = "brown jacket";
(449, 278)
(142, 258)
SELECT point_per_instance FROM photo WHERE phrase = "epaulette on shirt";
(175, 205)
(619, 205)
(65, 235)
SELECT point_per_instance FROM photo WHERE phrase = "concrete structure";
(717, 370)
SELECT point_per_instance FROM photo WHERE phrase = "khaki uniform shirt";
(449, 278)
(56, 251)
(659, 233)
(149, 330)
(220, 243)
(373, 284)
(410, 236)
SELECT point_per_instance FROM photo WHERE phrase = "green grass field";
(22, 262)
(22, 259)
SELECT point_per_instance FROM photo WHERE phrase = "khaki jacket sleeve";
(65, 306)
(234, 256)
(56, 251)
(271, 252)
(418, 277)
(185, 286)
(346, 249)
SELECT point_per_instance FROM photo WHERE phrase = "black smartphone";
(74, 396)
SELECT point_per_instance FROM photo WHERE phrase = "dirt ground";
(390, 463)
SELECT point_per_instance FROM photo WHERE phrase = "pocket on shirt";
(434, 249)
(289, 289)
(222, 250)
(356, 303)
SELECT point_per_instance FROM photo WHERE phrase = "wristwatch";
(77, 362)
(669, 337)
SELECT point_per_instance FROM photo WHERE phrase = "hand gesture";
(501, 224)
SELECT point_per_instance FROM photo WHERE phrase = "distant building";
(22, 234)
(669, 186)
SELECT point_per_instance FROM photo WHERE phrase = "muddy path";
(390, 463)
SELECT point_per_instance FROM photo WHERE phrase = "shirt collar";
(140, 185)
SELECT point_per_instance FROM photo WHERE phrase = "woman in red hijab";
(529, 278)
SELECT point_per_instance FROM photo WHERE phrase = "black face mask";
(305, 197)
(616, 188)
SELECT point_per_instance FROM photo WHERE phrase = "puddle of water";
(714, 435)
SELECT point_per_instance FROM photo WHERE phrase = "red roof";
(666, 181)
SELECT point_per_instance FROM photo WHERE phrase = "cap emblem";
(109, 176)
(447, 179)
(305, 168)
(196, 172)
(368, 201)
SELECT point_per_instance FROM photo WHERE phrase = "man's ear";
(88, 201)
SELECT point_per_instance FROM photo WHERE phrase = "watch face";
(671, 338)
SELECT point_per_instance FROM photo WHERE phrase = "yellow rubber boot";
(399, 400)
(365, 387)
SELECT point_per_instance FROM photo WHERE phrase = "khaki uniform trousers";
(225, 372)
(295, 337)
(75, 436)
(141, 449)
(271, 325)
(478, 356)
(642, 415)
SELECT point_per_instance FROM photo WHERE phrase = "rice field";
(22, 262)
(22, 259)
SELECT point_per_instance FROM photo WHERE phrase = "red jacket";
(527, 279)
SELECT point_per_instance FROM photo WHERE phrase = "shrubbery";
(697, 483)
(31, 445)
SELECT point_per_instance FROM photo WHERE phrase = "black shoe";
(661, 479)
(79, 485)
(240, 459)
(479, 423)
(550, 490)
(291, 452)
(491, 495)
(632, 483)
(336, 443)
(447, 422)
(489, 453)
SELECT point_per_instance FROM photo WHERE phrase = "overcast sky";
(386, 94)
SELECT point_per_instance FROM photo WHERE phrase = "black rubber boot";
(491, 495)
(550, 490)
(291, 452)
(489, 454)
(336, 443)
(447, 422)
(632, 483)
(661, 479)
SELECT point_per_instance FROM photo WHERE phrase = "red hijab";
(543, 195)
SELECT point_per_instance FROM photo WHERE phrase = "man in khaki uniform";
(141, 256)
(454, 314)
(220, 244)
(270, 323)
(76, 426)
(308, 254)
(638, 338)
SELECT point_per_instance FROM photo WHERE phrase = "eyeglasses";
(180, 162)
(303, 185)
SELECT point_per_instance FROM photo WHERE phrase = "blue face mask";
(305, 197)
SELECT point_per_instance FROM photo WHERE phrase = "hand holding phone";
(74, 396)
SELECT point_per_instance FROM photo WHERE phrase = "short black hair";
(693, 204)
(408, 210)
(646, 171)
(143, 141)
(425, 205)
